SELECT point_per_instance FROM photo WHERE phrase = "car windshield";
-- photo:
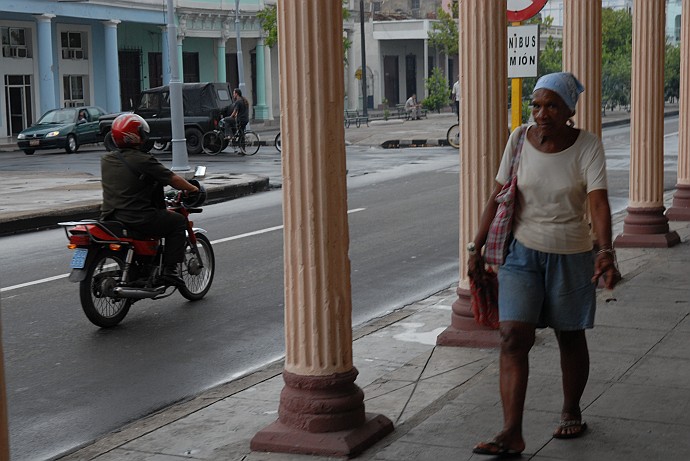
(58, 116)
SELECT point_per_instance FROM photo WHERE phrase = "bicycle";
(278, 143)
(453, 135)
(215, 141)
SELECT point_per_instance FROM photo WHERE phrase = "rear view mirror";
(200, 172)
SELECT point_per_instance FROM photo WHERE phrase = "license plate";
(34, 142)
(79, 258)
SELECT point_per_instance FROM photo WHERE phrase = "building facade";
(398, 56)
(98, 52)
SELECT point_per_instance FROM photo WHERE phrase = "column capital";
(47, 17)
(111, 22)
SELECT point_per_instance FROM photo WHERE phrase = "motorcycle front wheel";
(103, 273)
(198, 270)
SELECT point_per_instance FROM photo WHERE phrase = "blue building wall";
(140, 29)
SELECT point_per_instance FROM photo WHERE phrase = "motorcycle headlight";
(21, 136)
(52, 134)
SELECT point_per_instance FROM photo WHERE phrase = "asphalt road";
(69, 382)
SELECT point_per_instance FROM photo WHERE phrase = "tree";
(672, 73)
(439, 92)
(443, 34)
(616, 57)
(268, 20)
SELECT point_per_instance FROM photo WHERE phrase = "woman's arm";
(605, 262)
(475, 263)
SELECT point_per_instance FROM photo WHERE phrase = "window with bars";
(72, 44)
(414, 4)
(15, 42)
(73, 90)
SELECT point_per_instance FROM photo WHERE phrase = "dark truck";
(203, 104)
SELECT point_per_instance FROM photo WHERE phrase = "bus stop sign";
(522, 10)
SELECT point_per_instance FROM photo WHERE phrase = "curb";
(41, 220)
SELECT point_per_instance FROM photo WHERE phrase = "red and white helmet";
(130, 130)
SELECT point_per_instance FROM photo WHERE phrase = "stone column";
(582, 57)
(271, 84)
(680, 209)
(321, 409)
(112, 66)
(220, 51)
(46, 75)
(645, 225)
(260, 109)
(484, 127)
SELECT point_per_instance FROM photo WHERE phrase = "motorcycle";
(116, 267)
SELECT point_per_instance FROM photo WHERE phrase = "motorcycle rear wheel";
(198, 278)
(103, 273)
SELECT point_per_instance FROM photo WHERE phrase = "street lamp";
(179, 143)
(240, 63)
(364, 59)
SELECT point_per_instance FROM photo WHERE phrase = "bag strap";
(517, 151)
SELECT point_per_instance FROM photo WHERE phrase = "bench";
(402, 113)
(353, 116)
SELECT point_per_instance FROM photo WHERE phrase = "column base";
(646, 228)
(261, 112)
(680, 209)
(322, 415)
(281, 438)
(464, 330)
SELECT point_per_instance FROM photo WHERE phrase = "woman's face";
(549, 111)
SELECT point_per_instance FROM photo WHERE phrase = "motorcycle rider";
(133, 182)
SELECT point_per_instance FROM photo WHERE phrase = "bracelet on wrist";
(610, 251)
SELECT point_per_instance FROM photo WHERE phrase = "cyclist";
(239, 117)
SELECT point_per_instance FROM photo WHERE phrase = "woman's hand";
(605, 265)
(475, 266)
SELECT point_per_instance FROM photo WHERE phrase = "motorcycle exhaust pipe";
(138, 293)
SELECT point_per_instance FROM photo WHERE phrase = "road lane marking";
(227, 239)
(263, 231)
(35, 282)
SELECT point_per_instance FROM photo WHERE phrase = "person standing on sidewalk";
(550, 273)
(455, 94)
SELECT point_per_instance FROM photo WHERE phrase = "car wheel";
(161, 145)
(72, 144)
(29, 151)
(194, 145)
(108, 142)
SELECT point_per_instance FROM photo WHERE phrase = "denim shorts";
(547, 289)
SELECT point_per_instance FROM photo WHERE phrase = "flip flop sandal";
(570, 424)
(496, 449)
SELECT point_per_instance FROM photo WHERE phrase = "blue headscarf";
(564, 84)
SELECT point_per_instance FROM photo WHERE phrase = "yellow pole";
(516, 98)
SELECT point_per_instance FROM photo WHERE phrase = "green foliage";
(443, 34)
(268, 20)
(672, 73)
(526, 110)
(616, 57)
(439, 93)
